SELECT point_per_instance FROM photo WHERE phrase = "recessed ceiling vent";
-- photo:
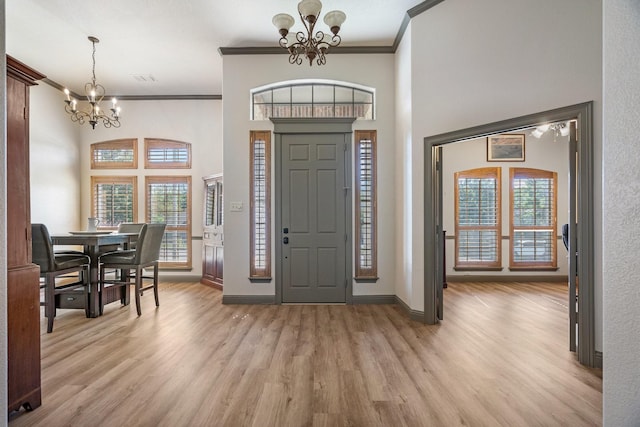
(144, 78)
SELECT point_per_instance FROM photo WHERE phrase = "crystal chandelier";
(94, 93)
(313, 47)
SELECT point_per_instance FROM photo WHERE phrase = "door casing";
(583, 240)
(312, 126)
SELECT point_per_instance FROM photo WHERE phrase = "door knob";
(285, 240)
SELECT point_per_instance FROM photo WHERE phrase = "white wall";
(54, 162)
(241, 74)
(198, 122)
(621, 382)
(546, 153)
(480, 62)
(403, 198)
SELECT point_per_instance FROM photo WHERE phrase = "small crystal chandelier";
(310, 45)
(94, 93)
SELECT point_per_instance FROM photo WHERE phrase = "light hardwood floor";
(499, 358)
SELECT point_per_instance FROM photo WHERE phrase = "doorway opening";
(581, 230)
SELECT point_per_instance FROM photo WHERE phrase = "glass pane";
(301, 94)
(263, 97)
(261, 111)
(344, 94)
(323, 110)
(344, 110)
(362, 97)
(282, 95)
(532, 246)
(174, 247)
(322, 94)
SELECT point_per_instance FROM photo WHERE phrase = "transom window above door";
(312, 98)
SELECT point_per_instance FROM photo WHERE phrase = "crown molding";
(58, 86)
(278, 50)
(271, 50)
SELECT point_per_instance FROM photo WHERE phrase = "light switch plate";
(235, 206)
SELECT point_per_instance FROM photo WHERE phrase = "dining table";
(96, 243)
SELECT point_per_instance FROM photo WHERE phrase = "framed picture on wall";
(505, 148)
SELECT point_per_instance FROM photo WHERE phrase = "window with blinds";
(169, 202)
(319, 99)
(533, 218)
(166, 154)
(260, 179)
(478, 218)
(113, 200)
(365, 206)
(116, 154)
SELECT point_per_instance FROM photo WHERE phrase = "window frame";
(256, 273)
(294, 106)
(479, 173)
(532, 173)
(163, 144)
(114, 179)
(362, 272)
(115, 144)
(172, 179)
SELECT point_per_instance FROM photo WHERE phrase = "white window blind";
(478, 218)
(169, 202)
(116, 154)
(533, 228)
(260, 204)
(164, 154)
(365, 193)
(113, 200)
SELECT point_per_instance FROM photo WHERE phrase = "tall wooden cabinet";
(213, 233)
(23, 286)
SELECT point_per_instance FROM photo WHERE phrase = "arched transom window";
(317, 98)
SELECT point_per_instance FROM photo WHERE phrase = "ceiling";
(174, 41)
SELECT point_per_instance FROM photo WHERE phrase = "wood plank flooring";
(499, 358)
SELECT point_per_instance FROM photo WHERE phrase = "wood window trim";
(95, 180)
(362, 273)
(116, 144)
(158, 179)
(479, 173)
(158, 143)
(533, 266)
(254, 272)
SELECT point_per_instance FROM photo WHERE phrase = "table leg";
(94, 302)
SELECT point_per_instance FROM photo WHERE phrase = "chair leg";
(86, 285)
(101, 291)
(155, 284)
(49, 300)
(138, 285)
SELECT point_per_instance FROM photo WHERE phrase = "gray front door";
(313, 235)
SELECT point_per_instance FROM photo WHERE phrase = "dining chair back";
(146, 254)
(73, 292)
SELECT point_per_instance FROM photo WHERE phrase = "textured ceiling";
(174, 41)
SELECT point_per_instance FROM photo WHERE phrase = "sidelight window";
(365, 205)
(260, 189)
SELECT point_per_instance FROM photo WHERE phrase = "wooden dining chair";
(146, 254)
(71, 293)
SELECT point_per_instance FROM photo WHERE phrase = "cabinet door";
(18, 209)
(23, 337)
(213, 233)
